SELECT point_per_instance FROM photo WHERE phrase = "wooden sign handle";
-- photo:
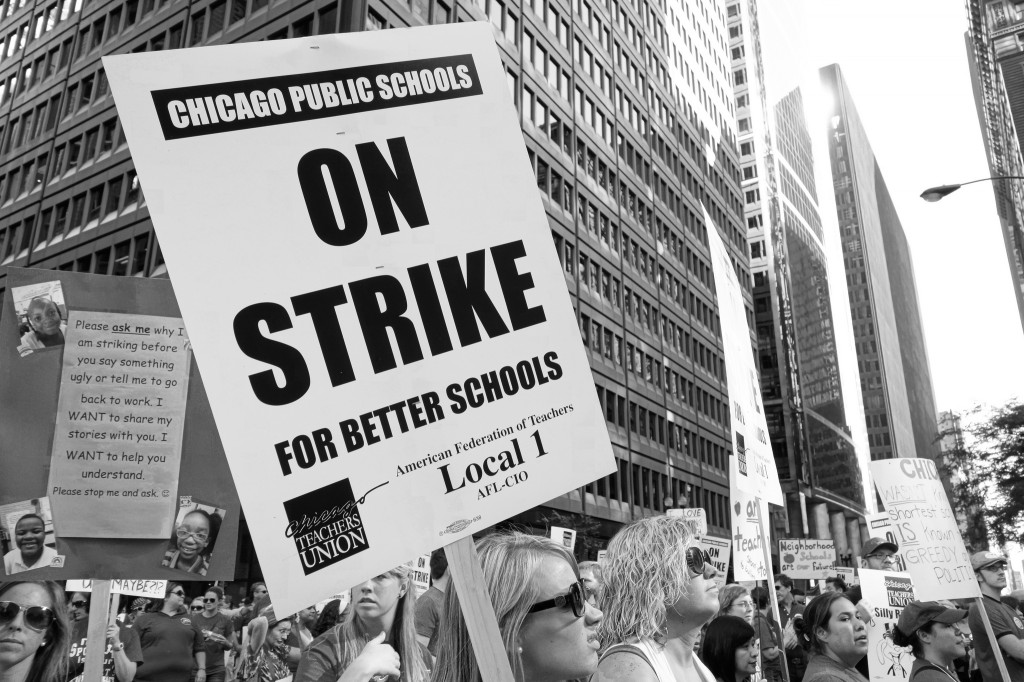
(996, 651)
(96, 645)
(773, 598)
(481, 622)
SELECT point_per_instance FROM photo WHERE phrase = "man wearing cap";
(877, 554)
(990, 570)
(930, 630)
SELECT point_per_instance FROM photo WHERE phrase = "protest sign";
(847, 573)
(695, 516)
(420, 573)
(887, 593)
(806, 558)
(756, 472)
(881, 526)
(748, 538)
(396, 339)
(931, 545)
(718, 550)
(112, 431)
(154, 589)
(564, 536)
(601, 554)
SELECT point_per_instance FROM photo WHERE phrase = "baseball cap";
(980, 560)
(872, 545)
(917, 614)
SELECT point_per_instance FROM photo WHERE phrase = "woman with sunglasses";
(122, 654)
(33, 632)
(376, 640)
(171, 642)
(730, 649)
(548, 628)
(832, 631)
(658, 592)
(192, 543)
(218, 632)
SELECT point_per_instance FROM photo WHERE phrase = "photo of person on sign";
(195, 534)
(30, 529)
(41, 315)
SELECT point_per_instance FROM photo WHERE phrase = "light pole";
(933, 194)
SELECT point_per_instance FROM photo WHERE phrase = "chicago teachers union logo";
(326, 526)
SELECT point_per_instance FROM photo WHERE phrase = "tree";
(988, 475)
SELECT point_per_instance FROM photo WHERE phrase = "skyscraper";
(629, 121)
(995, 55)
(899, 404)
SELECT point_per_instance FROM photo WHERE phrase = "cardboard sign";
(847, 573)
(564, 536)
(154, 589)
(383, 325)
(112, 429)
(696, 517)
(748, 537)
(807, 558)
(718, 550)
(881, 526)
(932, 546)
(886, 593)
(756, 472)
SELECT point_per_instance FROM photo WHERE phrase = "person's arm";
(124, 669)
(623, 666)
(1012, 646)
(257, 632)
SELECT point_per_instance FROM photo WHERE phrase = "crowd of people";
(651, 611)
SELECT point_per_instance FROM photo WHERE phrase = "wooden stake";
(996, 651)
(773, 598)
(481, 622)
(96, 644)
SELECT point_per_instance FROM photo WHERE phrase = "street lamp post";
(933, 194)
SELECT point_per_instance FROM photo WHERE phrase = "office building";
(628, 115)
(899, 404)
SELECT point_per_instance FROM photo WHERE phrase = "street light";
(933, 194)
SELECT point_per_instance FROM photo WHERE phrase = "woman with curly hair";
(34, 632)
(548, 628)
(658, 592)
(375, 641)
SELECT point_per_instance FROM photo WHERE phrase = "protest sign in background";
(564, 536)
(806, 558)
(887, 593)
(154, 589)
(931, 543)
(383, 325)
(881, 526)
(695, 516)
(98, 485)
(755, 472)
(718, 550)
(748, 538)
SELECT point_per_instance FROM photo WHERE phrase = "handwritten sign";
(154, 589)
(117, 438)
(748, 538)
(886, 594)
(695, 516)
(932, 547)
(806, 558)
(881, 526)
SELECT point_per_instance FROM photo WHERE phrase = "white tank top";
(654, 654)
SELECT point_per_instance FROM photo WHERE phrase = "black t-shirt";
(79, 638)
(220, 624)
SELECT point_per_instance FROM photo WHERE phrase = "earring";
(519, 650)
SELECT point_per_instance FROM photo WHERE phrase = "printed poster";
(718, 550)
(391, 335)
(756, 471)
(807, 558)
(931, 545)
(887, 593)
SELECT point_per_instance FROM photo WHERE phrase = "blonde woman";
(548, 628)
(377, 639)
(658, 593)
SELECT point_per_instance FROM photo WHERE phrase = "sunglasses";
(180, 593)
(36, 617)
(576, 598)
(78, 603)
(210, 601)
(197, 607)
(697, 560)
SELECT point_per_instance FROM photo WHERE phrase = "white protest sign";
(695, 516)
(886, 593)
(382, 324)
(847, 573)
(931, 544)
(881, 526)
(756, 471)
(747, 537)
(806, 558)
(718, 550)
(564, 536)
(601, 554)
(154, 589)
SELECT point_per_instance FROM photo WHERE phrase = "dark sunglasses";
(180, 593)
(197, 607)
(575, 598)
(697, 560)
(36, 617)
(78, 603)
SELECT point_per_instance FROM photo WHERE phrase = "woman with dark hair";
(34, 632)
(171, 642)
(192, 542)
(328, 618)
(930, 630)
(266, 655)
(833, 632)
(376, 641)
(29, 536)
(548, 628)
(730, 649)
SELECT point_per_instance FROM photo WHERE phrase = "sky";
(905, 64)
